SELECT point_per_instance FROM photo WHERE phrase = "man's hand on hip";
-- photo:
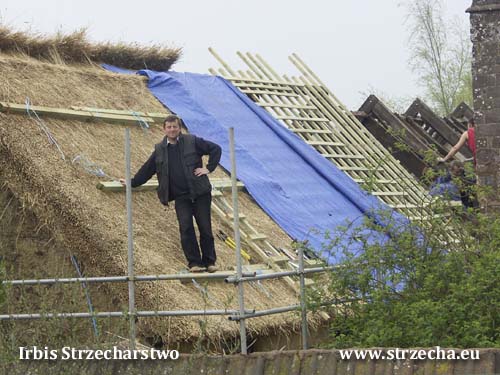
(201, 171)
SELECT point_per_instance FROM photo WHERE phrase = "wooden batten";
(72, 114)
(156, 116)
(218, 184)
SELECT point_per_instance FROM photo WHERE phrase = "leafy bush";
(435, 283)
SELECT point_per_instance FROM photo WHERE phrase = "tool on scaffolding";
(230, 242)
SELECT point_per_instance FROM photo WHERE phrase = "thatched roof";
(91, 223)
(76, 48)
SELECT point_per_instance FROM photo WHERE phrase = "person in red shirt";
(468, 137)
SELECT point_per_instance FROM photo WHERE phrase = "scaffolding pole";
(114, 279)
(303, 297)
(236, 223)
(276, 275)
(131, 284)
(117, 314)
(284, 309)
(276, 310)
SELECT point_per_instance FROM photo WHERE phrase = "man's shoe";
(195, 269)
(212, 268)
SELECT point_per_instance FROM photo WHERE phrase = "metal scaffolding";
(238, 277)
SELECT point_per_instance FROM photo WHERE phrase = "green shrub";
(435, 283)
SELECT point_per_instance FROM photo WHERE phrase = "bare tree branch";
(440, 54)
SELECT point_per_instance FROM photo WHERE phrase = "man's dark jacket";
(191, 149)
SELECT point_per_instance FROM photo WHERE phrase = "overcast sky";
(352, 45)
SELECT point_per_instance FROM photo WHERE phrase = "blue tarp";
(298, 188)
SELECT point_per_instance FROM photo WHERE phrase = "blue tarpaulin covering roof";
(307, 195)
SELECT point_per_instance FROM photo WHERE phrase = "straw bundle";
(76, 48)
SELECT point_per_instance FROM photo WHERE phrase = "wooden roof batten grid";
(317, 116)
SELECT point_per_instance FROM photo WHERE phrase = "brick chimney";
(485, 36)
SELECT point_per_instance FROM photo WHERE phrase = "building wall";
(309, 362)
(485, 36)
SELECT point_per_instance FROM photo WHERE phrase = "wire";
(45, 129)
(90, 167)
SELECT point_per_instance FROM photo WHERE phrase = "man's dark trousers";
(185, 209)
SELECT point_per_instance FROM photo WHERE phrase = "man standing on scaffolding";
(177, 162)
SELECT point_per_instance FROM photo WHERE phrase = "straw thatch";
(91, 223)
(76, 48)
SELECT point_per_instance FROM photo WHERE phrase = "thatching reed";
(76, 48)
(92, 224)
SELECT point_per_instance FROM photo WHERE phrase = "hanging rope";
(42, 126)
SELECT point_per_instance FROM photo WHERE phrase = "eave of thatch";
(76, 48)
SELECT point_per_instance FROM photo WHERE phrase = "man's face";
(172, 130)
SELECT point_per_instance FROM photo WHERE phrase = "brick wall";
(485, 36)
